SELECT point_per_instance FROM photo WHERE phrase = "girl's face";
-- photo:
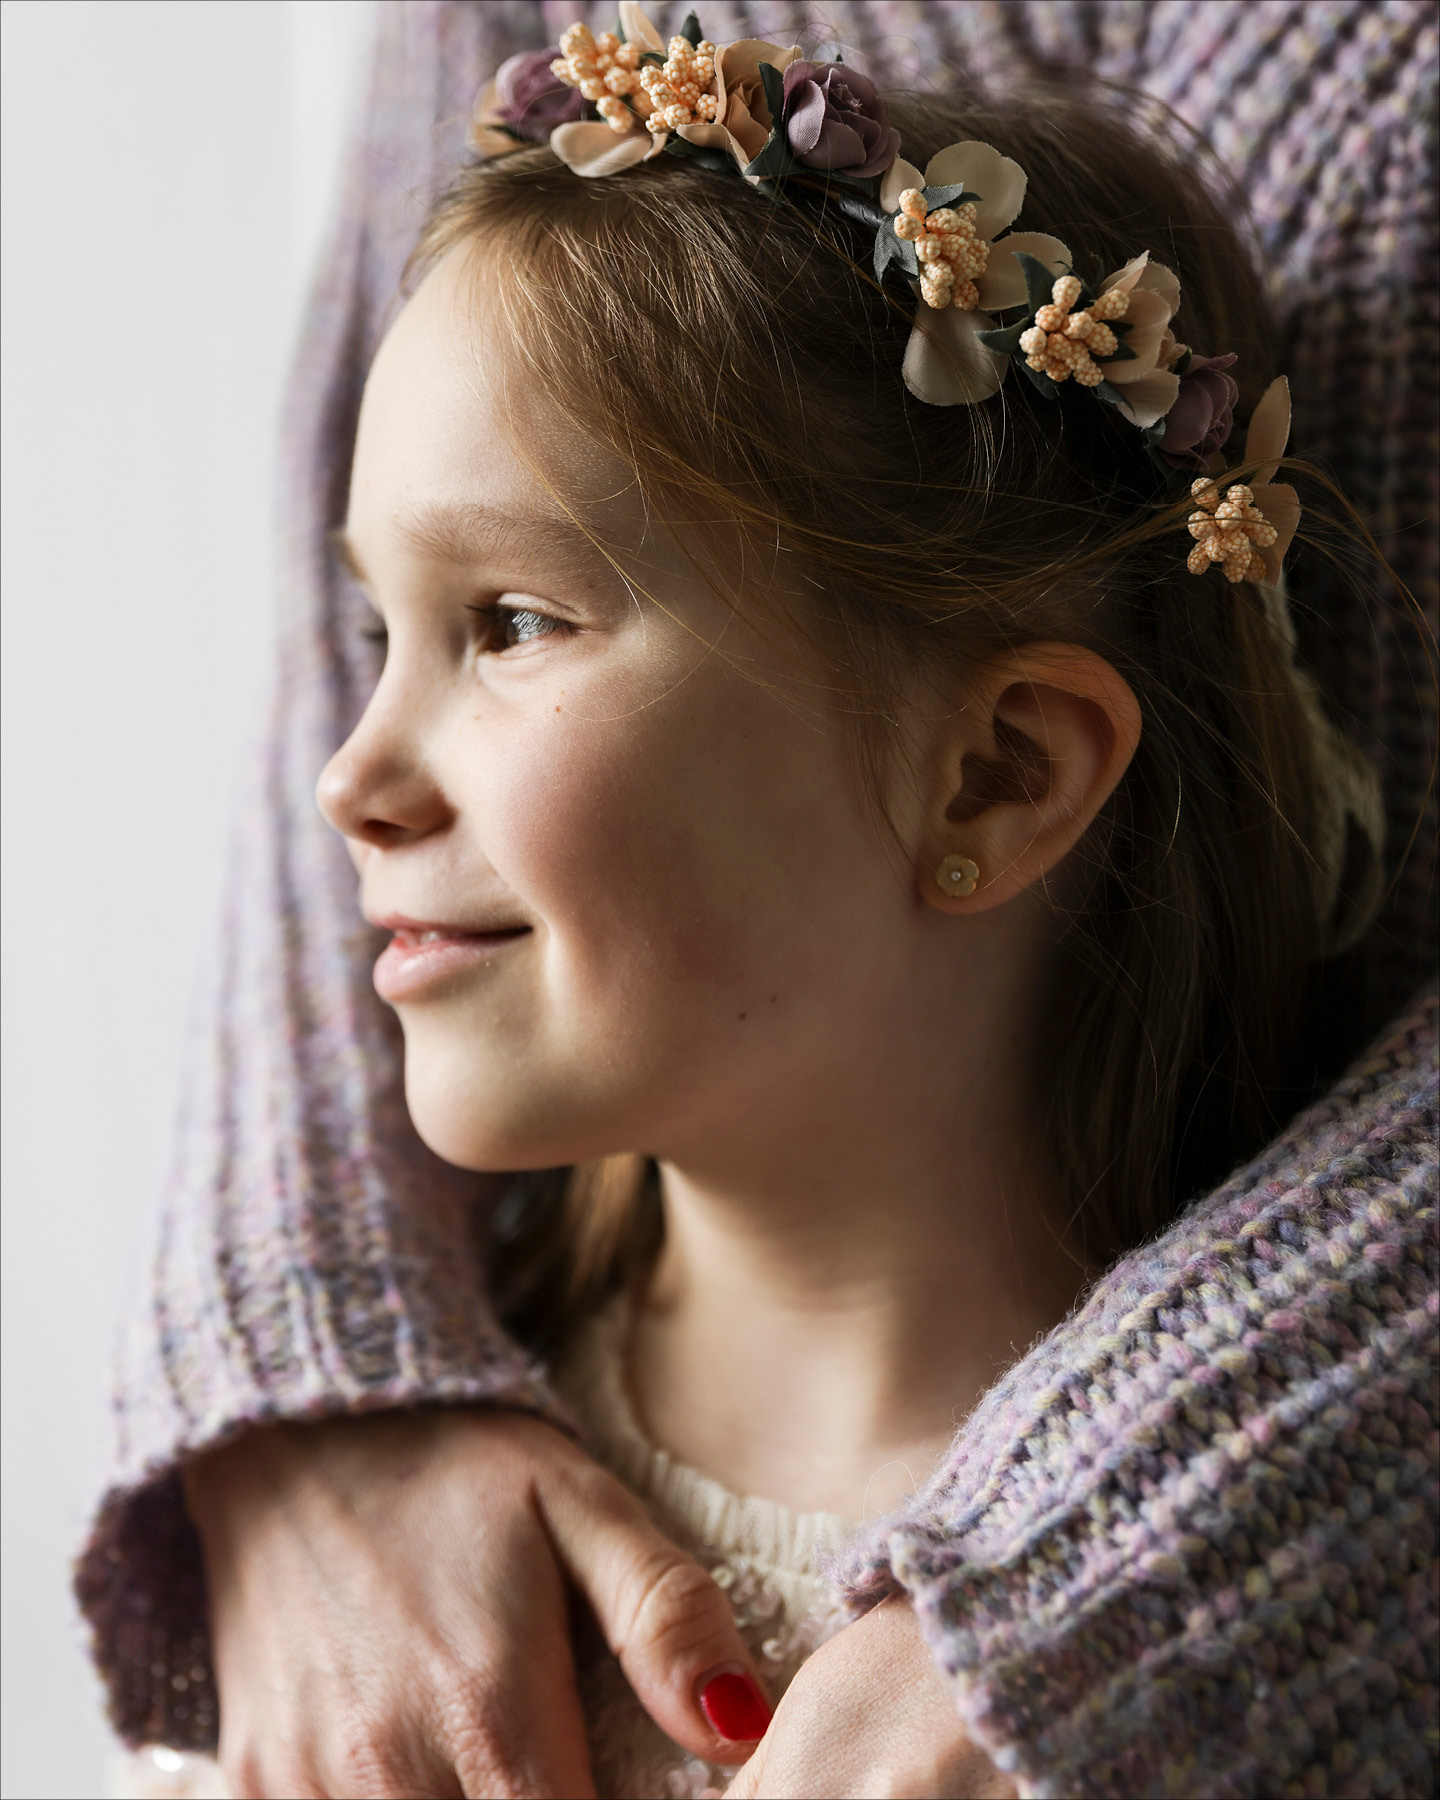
(638, 894)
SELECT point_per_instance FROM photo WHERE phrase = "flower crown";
(754, 109)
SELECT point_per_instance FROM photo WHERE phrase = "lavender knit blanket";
(1186, 1545)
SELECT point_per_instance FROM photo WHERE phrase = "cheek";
(662, 850)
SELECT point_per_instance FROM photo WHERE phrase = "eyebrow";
(467, 533)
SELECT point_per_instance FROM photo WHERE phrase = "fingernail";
(735, 1707)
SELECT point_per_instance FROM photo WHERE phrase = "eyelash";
(377, 634)
(496, 613)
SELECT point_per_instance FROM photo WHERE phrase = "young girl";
(838, 786)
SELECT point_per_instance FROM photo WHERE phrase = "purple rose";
(834, 119)
(531, 99)
(1199, 422)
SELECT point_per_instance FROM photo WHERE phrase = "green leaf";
(889, 248)
(704, 154)
(858, 207)
(1038, 280)
(691, 31)
(774, 159)
(1121, 353)
(1110, 395)
(1005, 339)
(954, 195)
(860, 184)
(1042, 383)
(654, 58)
(773, 83)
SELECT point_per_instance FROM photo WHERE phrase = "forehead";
(451, 418)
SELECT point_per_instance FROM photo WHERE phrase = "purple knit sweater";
(1183, 1547)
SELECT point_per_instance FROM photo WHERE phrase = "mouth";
(421, 954)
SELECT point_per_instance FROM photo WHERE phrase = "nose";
(376, 788)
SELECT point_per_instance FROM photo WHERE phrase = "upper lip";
(450, 927)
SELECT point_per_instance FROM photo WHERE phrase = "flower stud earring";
(957, 875)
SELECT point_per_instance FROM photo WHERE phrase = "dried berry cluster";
(1063, 343)
(952, 255)
(1227, 531)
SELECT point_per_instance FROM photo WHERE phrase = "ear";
(1021, 769)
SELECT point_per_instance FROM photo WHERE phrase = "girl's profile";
(875, 1286)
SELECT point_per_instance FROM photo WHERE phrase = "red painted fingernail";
(735, 1707)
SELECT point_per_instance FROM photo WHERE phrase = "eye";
(519, 625)
(512, 627)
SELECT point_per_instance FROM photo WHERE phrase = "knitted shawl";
(1185, 1545)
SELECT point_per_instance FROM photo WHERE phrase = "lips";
(423, 954)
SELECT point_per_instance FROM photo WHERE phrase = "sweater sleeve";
(308, 1254)
(1186, 1546)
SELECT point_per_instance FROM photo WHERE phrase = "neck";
(840, 1283)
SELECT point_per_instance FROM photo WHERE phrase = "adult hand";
(390, 1610)
(869, 1715)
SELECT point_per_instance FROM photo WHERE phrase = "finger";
(523, 1738)
(661, 1614)
(746, 1783)
(369, 1770)
(247, 1779)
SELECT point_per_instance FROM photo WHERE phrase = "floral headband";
(610, 102)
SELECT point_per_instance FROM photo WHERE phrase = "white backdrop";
(169, 167)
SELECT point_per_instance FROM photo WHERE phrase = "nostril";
(376, 788)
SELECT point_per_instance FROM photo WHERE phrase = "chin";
(460, 1129)
(485, 1117)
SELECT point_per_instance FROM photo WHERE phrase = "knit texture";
(308, 1255)
(1187, 1545)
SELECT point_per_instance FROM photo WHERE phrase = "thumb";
(661, 1614)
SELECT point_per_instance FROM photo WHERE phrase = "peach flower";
(594, 147)
(1147, 389)
(945, 363)
(1267, 437)
(1258, 510)
(742, 114)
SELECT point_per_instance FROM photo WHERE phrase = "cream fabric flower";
(945, 363)
(592, 147)
(742, 114)
(1267, 437)
(1147, 389)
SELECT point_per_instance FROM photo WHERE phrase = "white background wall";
(168, 170)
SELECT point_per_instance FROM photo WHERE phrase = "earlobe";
(957, 877)
(1034, 758)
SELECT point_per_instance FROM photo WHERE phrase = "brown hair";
(740, 358)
